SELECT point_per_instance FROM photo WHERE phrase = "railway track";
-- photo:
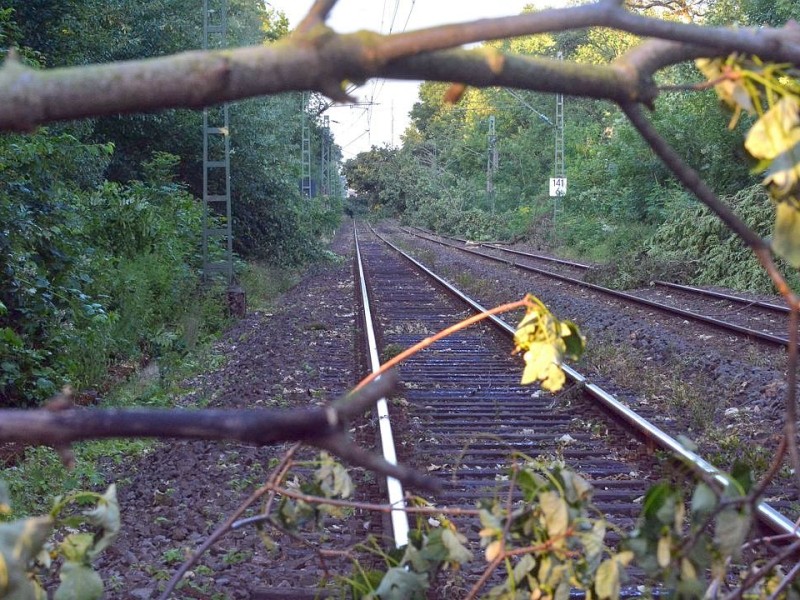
(465, 411)
(757, 320)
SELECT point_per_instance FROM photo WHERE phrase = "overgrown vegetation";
(101, 220)
(619, 193)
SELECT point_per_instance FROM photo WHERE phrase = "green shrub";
(94, 271)
(693, 235)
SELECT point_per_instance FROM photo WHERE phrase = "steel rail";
(724, 296)
(688, 314)
(399, 517)
(677, 286)
(699, 465)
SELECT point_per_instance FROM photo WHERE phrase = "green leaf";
(574, 342)
(416, 559)
(334, 479)
(5, 499)
(529, 483)
(556, 513)
(655, 498)
(576, 487)
(704, 500)
(593, 543)
(76, 547)
(490, 521)
(525, 565)
(731, 530)
(79, 582)
(562, 591)
(399, 584)
(456, 552)
(743, 475)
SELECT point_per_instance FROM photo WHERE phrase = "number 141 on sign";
(558, 186)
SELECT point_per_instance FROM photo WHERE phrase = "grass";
(673, 388)
(263, 284)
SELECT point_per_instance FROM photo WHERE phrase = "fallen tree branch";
(59, 425)
(317, 58)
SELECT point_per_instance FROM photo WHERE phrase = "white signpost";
(558, 187)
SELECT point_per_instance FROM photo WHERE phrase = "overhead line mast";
(325, 158)
(305, 150)
(216, 160)
(491, 162)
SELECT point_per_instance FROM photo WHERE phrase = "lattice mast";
(305, 148)
(325, 158)
(217, 237)
(559, 169)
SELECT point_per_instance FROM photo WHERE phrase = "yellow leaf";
(545, 341)
(624, 558)
(687, 569)
(3, 574)
(556, 513)
(664, 551)
(729, 86)
(494, 550)
(776, 131)
(786, 235)
(541, 364)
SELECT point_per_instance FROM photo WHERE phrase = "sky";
(356, 129)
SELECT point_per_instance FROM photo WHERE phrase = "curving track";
(754, 319)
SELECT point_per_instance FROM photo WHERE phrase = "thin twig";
(385, 508)
(478, 586)
(774, 467)
(754, 576)
(440, 335)
(785, 582)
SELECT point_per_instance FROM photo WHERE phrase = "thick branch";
(479, 68)
(316, 58)
(60, 428)
(316, 15)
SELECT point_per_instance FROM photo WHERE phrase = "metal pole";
(325, 158)
(491, 162)
(216, 159)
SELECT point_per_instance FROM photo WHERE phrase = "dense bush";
(693, 235)
(93, 270)
(100, 234)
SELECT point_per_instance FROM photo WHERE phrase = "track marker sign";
(558, 186)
